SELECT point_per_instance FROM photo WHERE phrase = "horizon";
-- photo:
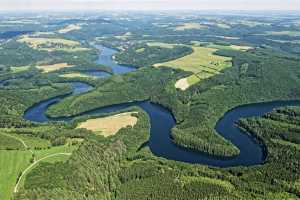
(149, 5)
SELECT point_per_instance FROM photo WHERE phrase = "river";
(162, 121)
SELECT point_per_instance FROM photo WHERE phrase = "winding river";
(162, 121)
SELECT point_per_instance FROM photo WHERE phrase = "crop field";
(69, 28)
(161, 44)
(12, 163)
(74, 75)
(19, 69)
(110, 125)
(202, 62)
(52, 44)
(190, 26)
(54, 67)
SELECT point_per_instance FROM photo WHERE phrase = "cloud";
(149, 4)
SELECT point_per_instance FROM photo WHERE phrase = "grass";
(110, 125)
(8, 142)
(203, 63)
(33, 142)
(19, 69)
(12, 163)
(140, 50)
(54, 67)
(189, 26)
(69, 28)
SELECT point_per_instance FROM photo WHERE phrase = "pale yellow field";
(54, 67)
(189, 26)
(52, 44)
(124, 36)
(241, 48)
(160, 44)
(227, 37)
(182, 84)
(34, 42)
(202, 62)
(110, 125)
(140, 50)
(19, 69)
(69, 28)
(74, 75)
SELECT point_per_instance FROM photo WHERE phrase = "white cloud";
(149, 4)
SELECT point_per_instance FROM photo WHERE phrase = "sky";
(59, 5)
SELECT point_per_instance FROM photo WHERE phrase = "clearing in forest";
(161, 44)
(203, 63)
(110, 125)
(74, 75)
(69, 28)
(51, 44)
(189, 26)
(54, 67)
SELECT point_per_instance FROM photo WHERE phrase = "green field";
(203, 62)
(14, 162)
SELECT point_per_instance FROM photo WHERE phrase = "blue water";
(162, 121)
(105, 58)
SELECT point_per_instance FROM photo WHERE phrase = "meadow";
(203, 63)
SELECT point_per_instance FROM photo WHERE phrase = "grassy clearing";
(12, 163)
(51, 44)
(75, 75)
(35, 42)
(19, 69)
(54, 67)
(231, 47)
(124, 36)
(110, 125)
(161, 44)
(202, 62)
(69, 28)
(202, 59)
(8, 142)
(140, 50)
(190, 26)
(33, 142)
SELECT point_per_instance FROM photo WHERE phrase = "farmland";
(189, 26)
(203, 63)
(54, 67)
(107, 126)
